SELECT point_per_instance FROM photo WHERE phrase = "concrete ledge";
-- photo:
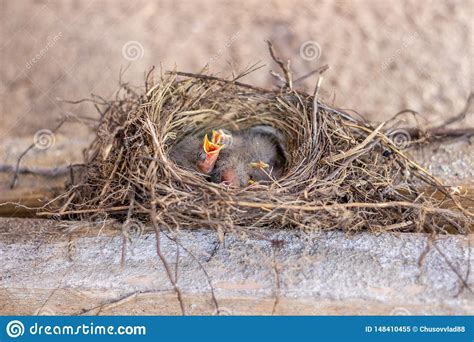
(45, 271)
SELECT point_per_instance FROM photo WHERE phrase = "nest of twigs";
(341, 173)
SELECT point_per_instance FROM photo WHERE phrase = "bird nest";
(341, 173)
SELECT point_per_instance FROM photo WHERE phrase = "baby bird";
(235, 159)
(199, 153)
(257, 154)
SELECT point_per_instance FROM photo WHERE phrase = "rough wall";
(384, 56)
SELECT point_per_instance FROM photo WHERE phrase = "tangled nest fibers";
(341, 173)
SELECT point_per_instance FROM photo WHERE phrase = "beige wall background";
(384, 56)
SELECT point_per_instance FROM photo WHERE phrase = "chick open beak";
(212, 146)
(221, 137)
(211, 150)
(216, 136)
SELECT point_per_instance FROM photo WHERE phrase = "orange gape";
(211, 150)
(222, 138)
(217, 137)
(213, 146)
